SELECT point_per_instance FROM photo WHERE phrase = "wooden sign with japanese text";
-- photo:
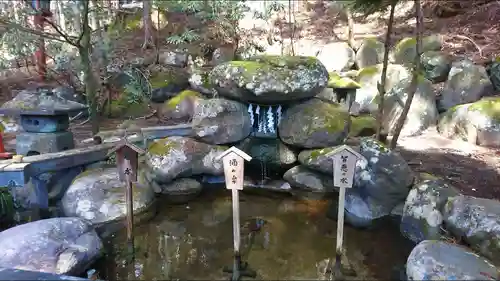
(344, 164)
(233, 160)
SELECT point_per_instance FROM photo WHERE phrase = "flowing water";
(194, 241)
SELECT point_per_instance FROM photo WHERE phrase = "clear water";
(194, 242)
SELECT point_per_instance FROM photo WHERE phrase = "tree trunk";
(89, 79)
(148, 24)
(383, 77)
(61, 16)
(77, 17)
(415, 77)
(350, 29)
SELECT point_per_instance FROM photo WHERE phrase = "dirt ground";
(474, 33)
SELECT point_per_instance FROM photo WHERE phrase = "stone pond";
(277, 109)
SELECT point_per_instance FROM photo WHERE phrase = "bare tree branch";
(11, 25)
(66, 37)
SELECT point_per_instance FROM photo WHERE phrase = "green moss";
(159, 80)
(173, 102)
(287, 61)
(405, 43)
(488, 106)
(338, 82)
(162, 147)
(321, 152)
(267, 63)
(362, 122)
(332, 117)
(127, 22)
(427, 176)
(122, 107)
(367, 71)
(372, 42)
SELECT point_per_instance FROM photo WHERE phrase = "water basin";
(194, 242)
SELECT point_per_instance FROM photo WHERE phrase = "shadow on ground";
(470, 173)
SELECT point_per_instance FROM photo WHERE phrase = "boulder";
(176, 157)
(405, 51)
(466, 83)
(477, 221)
(99, 197)
(56, 245)
(314, 124)
(200, 82)
(181, 107)
(363, 126)
(370, 52)
(270, 79)
(423, 112)
(477, 123)
(182, 190)
(436, 65)
(275, 155)
(369, 77)
(493, 71)
(337, 56)
(361, 211)
(308, 183)
(166, 85)
(439, 260)
(381, 181)
(220, 121)
(422, 213)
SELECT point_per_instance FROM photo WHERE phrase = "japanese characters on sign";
(233, 161)
(343, 170)
(233, 170)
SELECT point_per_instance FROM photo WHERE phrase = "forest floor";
(475, 33)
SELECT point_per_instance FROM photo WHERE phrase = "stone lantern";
(44, 118)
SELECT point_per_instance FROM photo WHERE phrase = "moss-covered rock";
(436, 65)
(467, 82)
(199, 80)
(314, 124)
(166, 84)
(338, 82)
(478, 122)
(363, 126)
(404, 52)
(272, 152)
(477, 221)
(176, 157)
(369, 53)
(270, 79)
(369, 77)
(122, 107)
(181, 107)
(108, 204)
(309, 184)
(221, 121)
(422, 213)
(422, 114)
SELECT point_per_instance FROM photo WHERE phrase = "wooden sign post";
(127, 155)
(344, 165)
(233, 160)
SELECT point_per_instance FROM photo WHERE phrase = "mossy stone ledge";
(270, 79)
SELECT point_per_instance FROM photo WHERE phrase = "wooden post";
(344, 165)
(130, 205)
(127, 161)
(234, 160)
